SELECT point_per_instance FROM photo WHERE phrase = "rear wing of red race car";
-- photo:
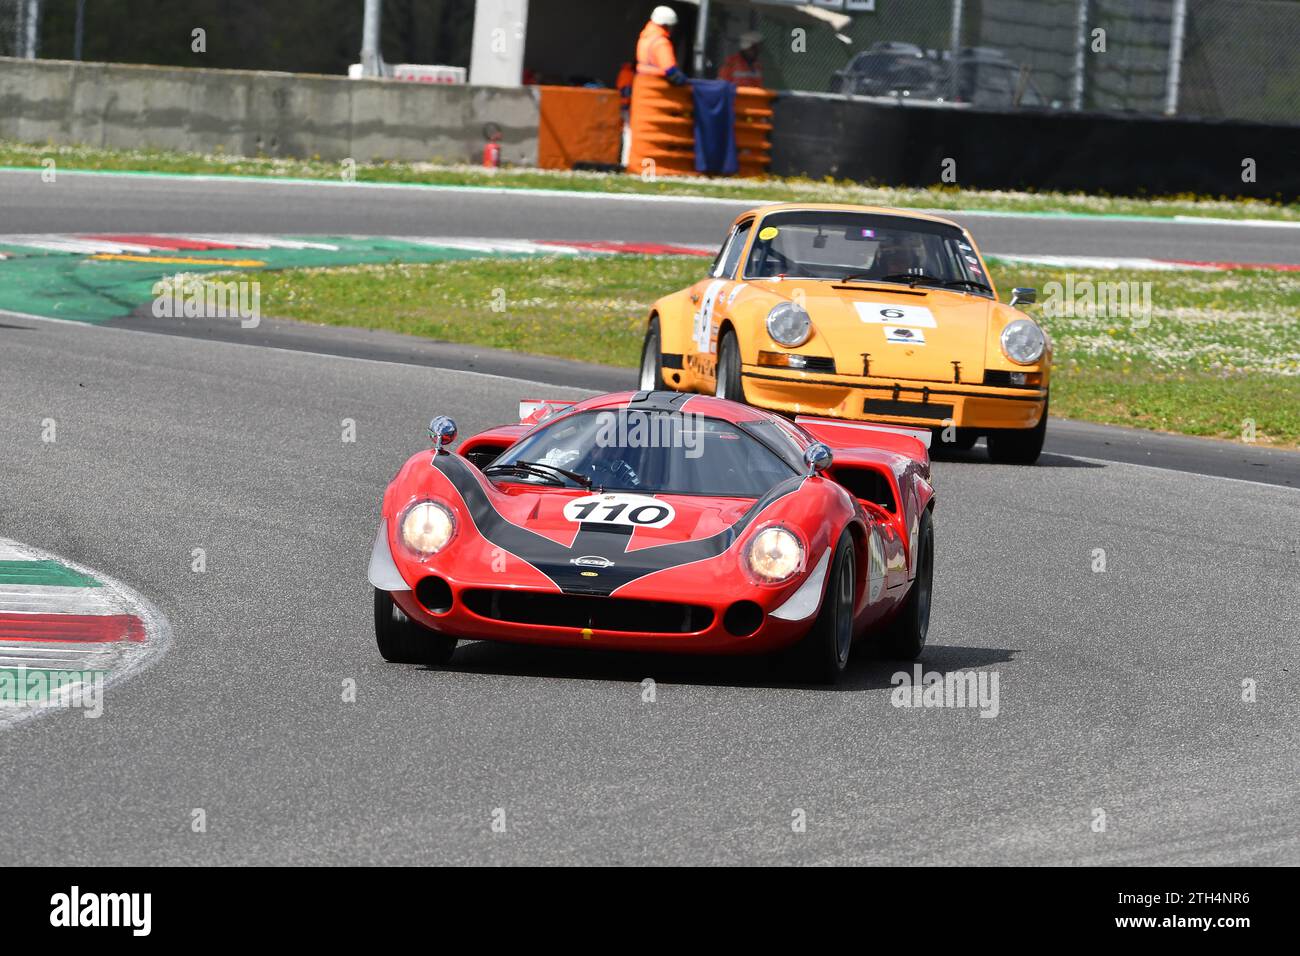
(912, 442)
(484, 447)
(866, 463)
(532, 411)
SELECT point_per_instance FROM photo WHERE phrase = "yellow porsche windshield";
(863, 246)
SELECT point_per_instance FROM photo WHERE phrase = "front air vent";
(582, 610)
(434, 594)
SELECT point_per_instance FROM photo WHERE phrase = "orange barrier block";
(754, 130)
(663, 128)
(578, 125)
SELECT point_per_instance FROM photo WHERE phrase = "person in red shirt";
(742, 67)
(626, 73)
(654, 50)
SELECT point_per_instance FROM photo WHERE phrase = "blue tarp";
(715, 126)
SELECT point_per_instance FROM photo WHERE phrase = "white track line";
(566, 194)
(1178, 471)
(1105, 262)
(287, 351)
(52, 599)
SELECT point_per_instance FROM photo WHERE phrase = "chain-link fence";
(1220, 59)
(13, 36)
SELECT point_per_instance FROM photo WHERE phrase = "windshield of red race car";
(835, 245)
(655, 452)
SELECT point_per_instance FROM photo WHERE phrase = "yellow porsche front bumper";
(861, 398)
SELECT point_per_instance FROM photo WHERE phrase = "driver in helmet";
(901, 253)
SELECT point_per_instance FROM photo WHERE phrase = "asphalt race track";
(82, 202)
(1119, 691)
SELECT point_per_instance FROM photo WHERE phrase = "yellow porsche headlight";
(774, 555)
(1023, 342)
(427, 526)
(789, 325)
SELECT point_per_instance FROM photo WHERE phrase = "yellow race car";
(862, 313)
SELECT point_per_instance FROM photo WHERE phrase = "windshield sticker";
(768, 233)
(901, 335)
(884, 313)
(637, 511)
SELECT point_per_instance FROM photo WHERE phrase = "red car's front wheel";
(403, 641)
(823, 654)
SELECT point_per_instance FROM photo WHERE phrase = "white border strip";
(752, 203)
(130, 661)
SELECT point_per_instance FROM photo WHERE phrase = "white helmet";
(749, 39)
(664, 16)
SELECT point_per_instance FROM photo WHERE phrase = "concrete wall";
(247, 113)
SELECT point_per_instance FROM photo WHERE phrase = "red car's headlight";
(775, 554)
(426, 527)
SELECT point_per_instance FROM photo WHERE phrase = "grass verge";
(1213, 353)
(26, 156)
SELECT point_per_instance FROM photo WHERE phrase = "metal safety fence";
(19, 24)
(1213, 59)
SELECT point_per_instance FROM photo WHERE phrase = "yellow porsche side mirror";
(1023, 296)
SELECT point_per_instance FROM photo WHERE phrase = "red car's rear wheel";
(905, 638)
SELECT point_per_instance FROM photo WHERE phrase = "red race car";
(660, 521)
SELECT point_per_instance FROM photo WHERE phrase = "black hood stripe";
(555, 560)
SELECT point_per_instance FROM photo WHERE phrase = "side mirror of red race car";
(818, 457)
(442, 431)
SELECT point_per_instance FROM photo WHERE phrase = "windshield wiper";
(971, 284)
(913, 279)
(540, 468)
(894, 278)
